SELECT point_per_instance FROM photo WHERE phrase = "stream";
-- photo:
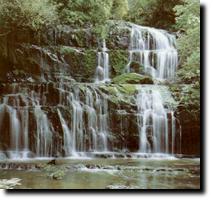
(108, 174)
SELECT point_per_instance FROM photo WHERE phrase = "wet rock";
(3, 157)
(147, 169)
(119, 155)
(82, 64)
(195, 171)
(57, 175)
(9, 184)
(161, 170)
(98, 166)
(136, 67)
(90, 166)
(180, 169)
(119, 33)
(128, 155)
(132, 78)
(17, 166)
(182, 156)
(104, 156)
(121, 187)
(108, 167)
(40, 165)
(188, 116)
(52, 162)
(78, 166)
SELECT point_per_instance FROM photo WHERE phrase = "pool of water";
(105, 173)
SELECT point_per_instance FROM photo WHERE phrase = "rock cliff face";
(38, 94)
(188, 117)
(25, 55)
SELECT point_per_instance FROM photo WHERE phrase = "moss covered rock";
(120, 96)
(82, 63)
(132, 78)
(57, 175)
(118, 61)
(119, 90)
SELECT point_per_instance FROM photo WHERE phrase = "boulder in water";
(9, 184)
(57, 175)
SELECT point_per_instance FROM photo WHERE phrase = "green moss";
(85, 57)
(187, 97)
(109, 89)
(89, 60)
(119, 90)
(79, 38)
(132, 78)
(120, 94)
(66, 50)
(128, 89)
(118, 61)
(82, 63)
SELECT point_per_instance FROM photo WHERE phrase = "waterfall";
(82, 114)
(72, 119)
(15, 111)
(68, 141)
(153, 122)
(87, 129)
(15, 129)
(154, 50)
(102, 70)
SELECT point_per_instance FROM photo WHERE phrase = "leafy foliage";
(35, 14)
(81, 13)
(188, 22)
(188, 98)
(155, 13)
(120, 9)
(31, 14)
(190, 73)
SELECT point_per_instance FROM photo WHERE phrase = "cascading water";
(154, 50)
(75, 121)
(156, 131)
(102, 70)
(82, 114)
(18, 106)
(87, 129)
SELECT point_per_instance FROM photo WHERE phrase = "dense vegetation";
(187, 22)
(27, 14)
(154, 13)
(188, 25)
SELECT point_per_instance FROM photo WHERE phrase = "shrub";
(30, 14)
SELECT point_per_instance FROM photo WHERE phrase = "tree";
(188, 22)
(120, 9)
(30, 14)
(154, 13)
